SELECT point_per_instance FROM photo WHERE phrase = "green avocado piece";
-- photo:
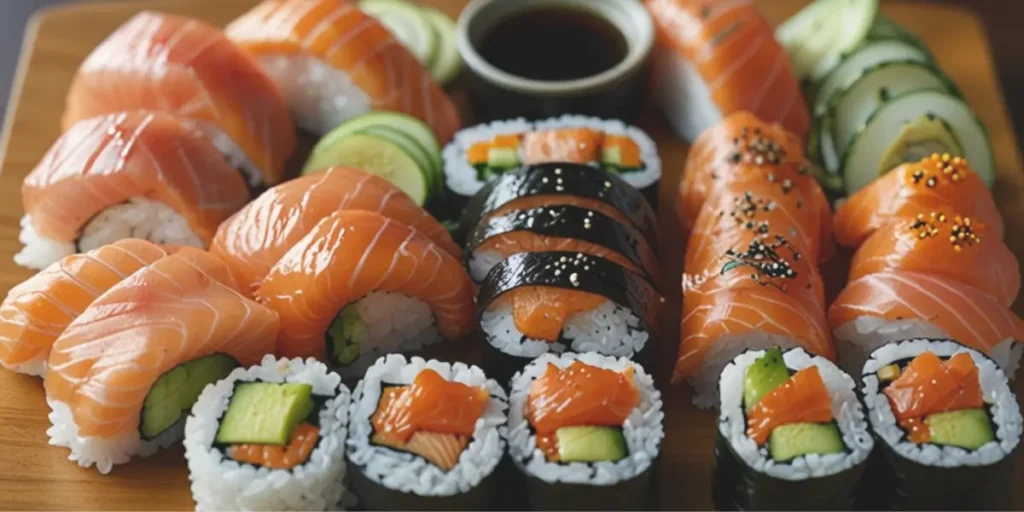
(265, 413)
(928, 135)
(763, 376)
(590, 444)
(967, 428)
(343, 335)
(175, 391)
(502, 158)
(788, 442)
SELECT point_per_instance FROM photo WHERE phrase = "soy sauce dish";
(539, 58)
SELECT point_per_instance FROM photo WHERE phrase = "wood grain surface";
(34, 475)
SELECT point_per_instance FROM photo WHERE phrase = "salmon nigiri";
(37, 311)
(124, 375)
(126, 175)
(944, 244)
(170, 63)
(890, 306)
(935, 182)
(334, 62)
(255, 238)
(715, 58)
(359, 285)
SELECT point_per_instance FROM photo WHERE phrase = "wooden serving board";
(34, 475)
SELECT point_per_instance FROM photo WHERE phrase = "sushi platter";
(357, 254)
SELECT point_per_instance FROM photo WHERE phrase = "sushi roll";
(122, 377)
(426, 435)
(360, 285)
(585, 432)
(269, 437)
(557, 228)
(483, 152)
(37, 311)
(792, 434)
(186, 67)
(535, 303)
(256, 237)
(557, 184)
(334, 62)
(711, 60)
(947, 424)
(126, 175)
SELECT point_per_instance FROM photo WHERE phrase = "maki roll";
(535, 303)
(948, 426)
(481, 153)
(585, 433)
(791, 434)
(557, 228)
(425, 436)
(270, 437)
(553, 184)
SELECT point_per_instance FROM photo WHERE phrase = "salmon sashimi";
(37, 311)
(127, 175)
(945, 244)
(301, 444)
(936, 182)
(186, 67)
(577, 145)
(926, 305)
(712, 59)
(928, 385)
(102, 368)
(334, 62)
(802, 399)
(362, 258)
(255, 238)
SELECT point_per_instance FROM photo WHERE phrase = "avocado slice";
(502, 158)
(175, 391)
(590, 444)
(928, 135)
(788, 442)
(764, 375)
(967, 428)
(265, 413)
(342, 336)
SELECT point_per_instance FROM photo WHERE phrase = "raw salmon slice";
(801, 399)
(580, 395)
(431, 403)
(927, 385)
(577, 145)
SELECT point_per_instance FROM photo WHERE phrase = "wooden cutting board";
(34, 475)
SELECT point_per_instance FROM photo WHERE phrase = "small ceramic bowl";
(614, 93)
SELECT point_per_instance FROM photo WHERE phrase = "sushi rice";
(394, 323)
(319, 95)
(407, 473)
(233, 153)
(221, 483)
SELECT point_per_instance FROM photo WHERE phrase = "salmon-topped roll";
(38, 310)
(125, 373)
(935, 182)
(256, 237)
(359, 285)
(334, 62)
(715, 58)
(126, 175)
(170, 63)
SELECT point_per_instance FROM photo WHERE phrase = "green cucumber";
(788, 442)
(375, 155)
(412, 127)
(854, 65)
(819, 35)
(884, 28)
(969, 429)
(762, 377)
(448, 63)
(173, 394)
(408, 24)
(265, 413)
(410, 146)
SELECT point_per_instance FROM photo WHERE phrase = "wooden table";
(36, 476)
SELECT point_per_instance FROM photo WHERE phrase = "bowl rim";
(641, 44)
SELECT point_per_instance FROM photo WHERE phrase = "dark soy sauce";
(554, 43)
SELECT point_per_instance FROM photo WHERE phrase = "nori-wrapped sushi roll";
(541, 302)
(947, 424)
(791, 434)
(585, 433)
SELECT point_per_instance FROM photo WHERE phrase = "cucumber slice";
(854, 106)
(865, 57)
(375, 155)
(819, 35)
(448, 63)
(412, 127)
(884, 28)
(872, 143)
(410, 146)
(407, 23)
